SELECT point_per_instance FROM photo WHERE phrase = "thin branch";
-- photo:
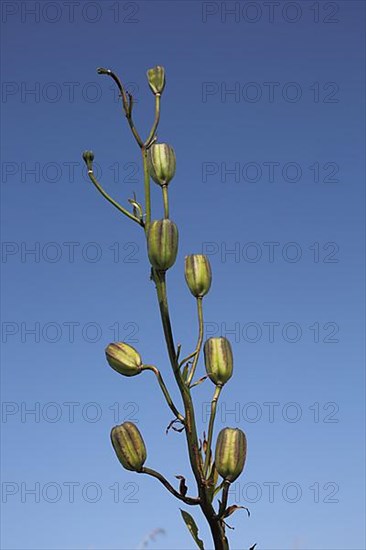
(112, 201)
(199, 341)
(225, 494)
(165, 391)
(165, 200)
(210, 427)
(149, 140)
(127, 104)
(181, 363)
(188, 500)
(146, 188)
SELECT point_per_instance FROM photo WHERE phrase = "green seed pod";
(88, 157)
(218, 360)
(161, 159)
(129, 446)
(156, 79)
(162, 244)
(123, 358)
(230, 453)
(198, 275)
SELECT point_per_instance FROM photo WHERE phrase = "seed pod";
(123, 358)
(161, 159)
(129, 446)
(88, 157)
(198, 275)
(162, 244)
(218, 360)
(230, 453)
(156, 79)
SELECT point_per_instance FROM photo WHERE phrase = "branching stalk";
(112, 201)
(225, 494)
(188, 500)
(146, 188)
(211, 426)
(165, 391)
(199, 342)
(149, 140)
(216, 526)
(200, 467)
(127, 107)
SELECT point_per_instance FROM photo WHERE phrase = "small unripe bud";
(156, 79)
(198, 274)
(162, 163)
(129, 446)
(123, 358)
(162, 244)
(218, 360)
(230, 453)
(88, 157)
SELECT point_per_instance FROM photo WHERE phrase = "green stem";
(225, 494)
(165, 200)
(126, 107)
(165, 482)
(147, 188)
(210, 427)
(164, 390)
(190, 426)
(149, 140)
(183, 361)
(199, 341)
(112, 201)
(134, 131)
(216, 527)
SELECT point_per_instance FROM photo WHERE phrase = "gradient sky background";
(312, 367)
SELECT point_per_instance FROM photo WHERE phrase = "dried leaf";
(233, 509)
(198, 382)
(172, 427)
(137, 208)
(182, 485)
(192, 528)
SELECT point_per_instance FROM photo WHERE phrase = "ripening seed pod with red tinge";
(129, 446)
(123, 358)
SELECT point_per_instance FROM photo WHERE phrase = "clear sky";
(264, 107)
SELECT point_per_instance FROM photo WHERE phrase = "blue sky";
(264, 108)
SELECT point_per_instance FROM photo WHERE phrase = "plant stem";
(183, 361)
(164, 390)
(149, 140)
(165, 482)
(190, 426)
(225, 494)
(112, 201)
(216, 526)
(199, 341)
(147, 188)
(127, 109)
(165, 200)
(210, 427)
